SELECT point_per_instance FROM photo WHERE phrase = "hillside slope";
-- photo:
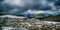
(55, 18)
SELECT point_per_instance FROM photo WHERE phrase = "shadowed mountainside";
(54, 18)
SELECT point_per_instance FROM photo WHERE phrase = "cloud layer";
(17, 7)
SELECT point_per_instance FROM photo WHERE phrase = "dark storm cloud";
(57, 3)
(18, 6)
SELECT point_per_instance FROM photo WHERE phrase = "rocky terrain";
(10, 22)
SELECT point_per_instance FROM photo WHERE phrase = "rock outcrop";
(17, 22)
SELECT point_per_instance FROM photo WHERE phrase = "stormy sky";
(16, 7)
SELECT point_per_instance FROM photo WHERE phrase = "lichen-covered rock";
(24, 22)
